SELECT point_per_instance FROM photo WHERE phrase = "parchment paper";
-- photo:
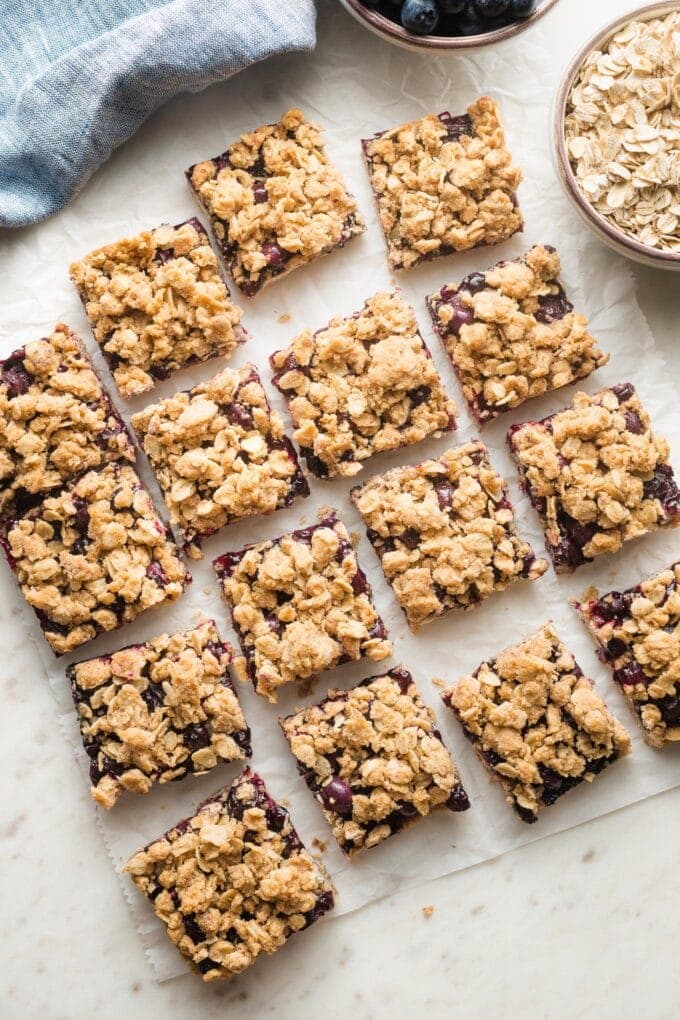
(356, 85)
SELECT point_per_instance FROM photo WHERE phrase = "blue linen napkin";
(78, 77)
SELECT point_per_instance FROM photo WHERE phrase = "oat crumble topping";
(638, 631)
(596, 475)
(374, 759)
(157, 712)
(511, 333)
(93, 557)
(56, 419)
(157, 302)
(274, 201)
(622, 131)
(233, 881)
(220, 453)
(362, 385)
(536, 722)
(444, 184)
(300, 605)
(445, 533)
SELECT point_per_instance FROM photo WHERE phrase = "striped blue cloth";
(78, 77)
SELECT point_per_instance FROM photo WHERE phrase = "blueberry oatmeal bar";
(536, 722)
(300, 605)
(596, 475)
(93, 557)
(445, 533)
(374, 759)
(275, 202)
(511, 333)
(56, 419)
(444, 184)
(157, 712)
(220, 454)
(362, 385)
(233, 881)
(638, 631)
(157, 302)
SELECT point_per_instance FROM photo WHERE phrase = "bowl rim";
(395, 32)
(647, 12)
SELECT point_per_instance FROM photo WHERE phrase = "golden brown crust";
(56, 419)
(93, 557)
(233, 881)
(445, 533)
(536, 722)
(512, 335)
(157, 712)
(362, 385)
(220, 453)
(638, 631)
(374, 759)
(596, 474)
(300, 604)
(274, 201)
(444, 184)
(157, 302)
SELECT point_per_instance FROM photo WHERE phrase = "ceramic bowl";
(607, 232)
(440, 44)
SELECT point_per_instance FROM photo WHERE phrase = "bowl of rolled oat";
(616, 135)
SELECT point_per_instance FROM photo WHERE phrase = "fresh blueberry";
(521, 8)
(488, 9)
(420, 16)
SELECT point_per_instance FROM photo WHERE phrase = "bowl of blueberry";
(447, 25)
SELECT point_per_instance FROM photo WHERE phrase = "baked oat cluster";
(362, 385)
(300, 605)
(93, 557)
(157, 302)
(274, 201)
(511, 333)
(233, 881)
(445, 533)
(622, 131)
(596, 474)
(444, 184)
(638, 631)
(536, 722)
(157, 712)
(374, 759)
(56, 419)
(220, 453)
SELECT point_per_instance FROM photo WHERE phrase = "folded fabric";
(78, 77)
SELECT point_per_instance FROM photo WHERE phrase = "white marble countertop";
(575, 926)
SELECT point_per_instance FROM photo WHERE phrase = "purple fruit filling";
(553, 307)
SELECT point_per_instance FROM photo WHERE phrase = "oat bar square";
(300, 605)
(444, 184)
(56, 420)
(157, 302)
(232, 882)
(445, 533)
(638, 631)
(511, 333)
(93, 557)
(374, 759)
(362, 385)
(596, 475)
(220, 454)
(157, 712)
(275, 202)
(536, 722)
